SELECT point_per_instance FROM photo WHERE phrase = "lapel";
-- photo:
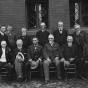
(33, 49)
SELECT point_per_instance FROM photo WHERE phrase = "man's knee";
(46, 63)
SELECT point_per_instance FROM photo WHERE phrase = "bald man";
(19, 57)
(60, 34)
(51, 55)
(42, 34)
(25, 38)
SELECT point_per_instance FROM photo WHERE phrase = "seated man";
(51, 55)
(68, 55)
(34, 55)
(19, 57)
(5, 57)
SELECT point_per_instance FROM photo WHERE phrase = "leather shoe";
(46, 81)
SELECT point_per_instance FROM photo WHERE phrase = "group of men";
(59, 48)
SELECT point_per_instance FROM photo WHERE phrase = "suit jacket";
(34, 53)
(51, 51)
(4, 38)
(43, 37)
(80, 39)
(23, 51)
(85, 52)
(26, 41)
(12, 40)
(60, 38)
(7, 54)
(68, 52)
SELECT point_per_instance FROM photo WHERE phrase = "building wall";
(59, 11)
(12, 12)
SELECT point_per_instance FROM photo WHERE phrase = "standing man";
(34, 55)
(25, 38)
(51, 55)
(19, 58)
(42, 34)
(11, 37)
(60, 34)
(80, 38)
(3, 36)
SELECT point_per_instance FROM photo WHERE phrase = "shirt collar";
(1, 33)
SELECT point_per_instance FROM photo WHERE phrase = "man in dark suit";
(19, 58)
(42, 34)
(5, 58)
(11, 37)
(60, 34)
(34, 54)
(80, 38)
(68, 56)
(25, 38)
(51, 55)
(85, 57)
(3, 36)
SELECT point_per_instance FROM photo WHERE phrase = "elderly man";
(5, 58)
(42, 34)
(80, 38)
(34, 55)
(25, 38)
(51, 55)
(11, 37)
(60, 34)
(3, 36)
(19, 58)
(68, 55)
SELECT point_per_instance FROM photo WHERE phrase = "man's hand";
(39, 59)
(71, 59)
(30, 60)
(57, 58)
(49, 60)
(62, 60)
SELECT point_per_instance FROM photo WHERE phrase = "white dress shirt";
(3, 57)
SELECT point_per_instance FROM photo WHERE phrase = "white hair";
(42, 23)
(51, 36)
(77, 26)
(24, 29)
(3, 42)
(19, 41)
(60, 22)
(70, 37)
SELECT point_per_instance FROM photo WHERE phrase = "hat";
(34, 64)
(21, 55)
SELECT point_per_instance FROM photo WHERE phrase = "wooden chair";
(71, 69)
(52, 70)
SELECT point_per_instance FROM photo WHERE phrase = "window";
(37, 12)
(78, 12)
